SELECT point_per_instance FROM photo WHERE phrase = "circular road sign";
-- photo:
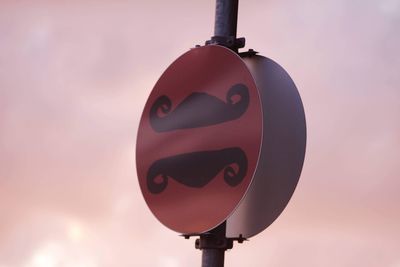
(199, 139)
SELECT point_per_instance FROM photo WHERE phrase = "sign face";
(199, 139)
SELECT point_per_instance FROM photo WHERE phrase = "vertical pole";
(226, 13)
(212, 258)
(213, 245)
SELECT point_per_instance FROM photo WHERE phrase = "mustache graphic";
(198, 110)
(198, 168)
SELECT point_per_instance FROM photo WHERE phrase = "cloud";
(74, 78)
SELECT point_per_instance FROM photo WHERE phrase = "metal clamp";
(228, 41)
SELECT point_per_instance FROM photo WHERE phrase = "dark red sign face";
(199, 139)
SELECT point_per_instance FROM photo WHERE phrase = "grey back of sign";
(282, 153)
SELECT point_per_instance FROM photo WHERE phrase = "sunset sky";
(74, 78)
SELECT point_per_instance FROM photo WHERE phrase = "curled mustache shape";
(198, 168)
(198, 110)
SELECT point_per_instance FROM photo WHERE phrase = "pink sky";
(74, 77)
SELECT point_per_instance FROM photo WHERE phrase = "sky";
(74, 78)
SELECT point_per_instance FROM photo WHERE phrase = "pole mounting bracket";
(228, 41)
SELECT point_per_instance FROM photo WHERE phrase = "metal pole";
(226, 14)
(226, 18)
(213, 245)
(212, 258)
